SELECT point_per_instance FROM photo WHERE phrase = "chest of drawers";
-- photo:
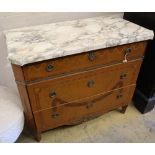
(73, 88)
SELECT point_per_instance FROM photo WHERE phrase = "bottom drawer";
(84, 109)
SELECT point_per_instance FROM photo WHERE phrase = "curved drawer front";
(82, 61)
(83, 110)
(77, 86)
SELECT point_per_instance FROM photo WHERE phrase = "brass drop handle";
(91, 56)
(119, 96)
(126, 53)
(52, 94)
(55, 115)
(123, 76)
(49, 67)
(90, 83)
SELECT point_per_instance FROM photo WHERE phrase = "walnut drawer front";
(82, 61)
(51, 93)
(82, 110)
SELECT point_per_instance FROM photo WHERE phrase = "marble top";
(37, 43)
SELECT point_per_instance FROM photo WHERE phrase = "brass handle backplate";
(52, 94)
(55, 115)
(128, 50)
(123, 76)
(49, 67)
(90, 83)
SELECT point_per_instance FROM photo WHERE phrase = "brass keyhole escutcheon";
(92, 56)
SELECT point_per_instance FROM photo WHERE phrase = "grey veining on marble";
(37, 43)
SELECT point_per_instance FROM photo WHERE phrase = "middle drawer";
(80, 85)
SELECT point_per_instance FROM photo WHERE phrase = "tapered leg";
(123, 109)
(38, 137)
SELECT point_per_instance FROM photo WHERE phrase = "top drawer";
(82, 61)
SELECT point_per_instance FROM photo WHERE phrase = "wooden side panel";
(83, 61)
(18, 73)
(83, 110)
(22, 88)
(27, 108)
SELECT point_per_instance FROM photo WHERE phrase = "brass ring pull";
(49, 68)
(127, 52)
(92, 56)
(52, 94)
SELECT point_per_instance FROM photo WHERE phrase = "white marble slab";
(37, 43)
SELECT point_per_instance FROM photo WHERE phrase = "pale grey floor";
(111, 127)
